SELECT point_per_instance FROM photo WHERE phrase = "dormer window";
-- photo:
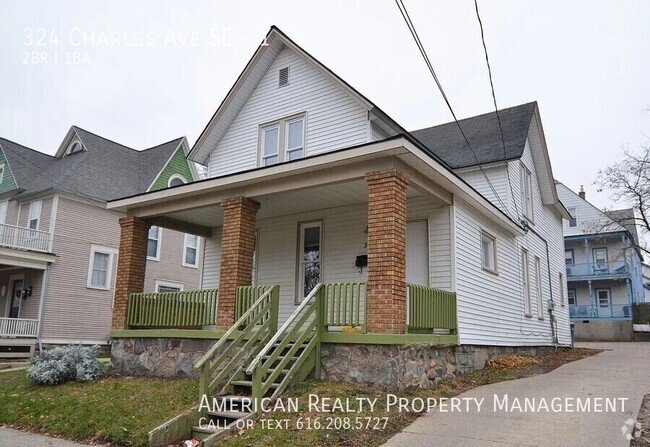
(282, 140)
(283, 77)
(74, 147)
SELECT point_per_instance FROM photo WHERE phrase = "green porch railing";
(245, 297)
(221, 364)
(172, 309)
(429, 309)
(344, 304)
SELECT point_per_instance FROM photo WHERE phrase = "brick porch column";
(386, 290)
(237, 246)
(131, 264)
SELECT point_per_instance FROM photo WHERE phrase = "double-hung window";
(573, 221)
(489, 251)
(571, 297)
(100, 267)
(526, 281)
(527, 192)
(538, 288)
(191, 251)
(34, 214)
(153, 243)
(282, 140)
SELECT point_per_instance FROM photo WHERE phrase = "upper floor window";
(569, 257)
(283, 140)
(35, 214)
(527, 192)
(573, 221)
(3, 211)
(571, 297)
(489, 251)
(2, 171)
(176, 180)
(190, 251)
(526, 281)
(153, 243)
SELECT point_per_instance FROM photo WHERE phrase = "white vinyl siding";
(334, 118)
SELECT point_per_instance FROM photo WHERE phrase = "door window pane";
(603, 297)
(310, 263)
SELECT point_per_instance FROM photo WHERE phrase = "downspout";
(551, 304)
(41, 307)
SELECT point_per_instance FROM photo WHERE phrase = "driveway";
(619, 372)
(15, 438)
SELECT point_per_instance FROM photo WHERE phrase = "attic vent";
(284, 77)
(74, 147)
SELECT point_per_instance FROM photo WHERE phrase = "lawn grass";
(122, 410)
(505, 368)
(118, 410)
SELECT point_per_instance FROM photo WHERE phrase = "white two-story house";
(310, 185)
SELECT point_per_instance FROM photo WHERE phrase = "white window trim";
(527, 202)
(166, 283)
(493, 238)
(157, 257)
(300, 283)
(562, 297)
(282, 125)
(575, 296)
(185, 246)
(3, 216)
(30, 217)
(575, 217)
(538, 288)
(2, 171)
(609, 297)
(111, 252)
(175, 176)
(526, 279)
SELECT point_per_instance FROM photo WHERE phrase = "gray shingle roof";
(483, 134)
(105, 171)
(626, 219)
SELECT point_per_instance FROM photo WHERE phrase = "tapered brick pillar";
(386, 290)
(237, 247)
(131, 264)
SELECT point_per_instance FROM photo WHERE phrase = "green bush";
(67, 363)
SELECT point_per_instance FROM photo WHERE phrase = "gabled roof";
(105, 170)
(248, 80)
(625, 217)
(483, 134)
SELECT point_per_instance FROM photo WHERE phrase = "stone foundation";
(407, 367)
(157, 357)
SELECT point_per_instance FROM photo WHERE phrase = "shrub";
(59, 365)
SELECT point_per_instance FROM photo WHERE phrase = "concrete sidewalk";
(619, 372)
(15, 438)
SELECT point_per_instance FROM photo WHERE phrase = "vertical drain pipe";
(41, 307)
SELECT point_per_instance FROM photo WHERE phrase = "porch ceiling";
(290, 203)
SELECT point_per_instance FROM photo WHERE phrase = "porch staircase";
(267, 362)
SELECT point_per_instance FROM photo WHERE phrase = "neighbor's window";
(35, 214)
(526, 281)
(527, 192)
(600, 259)
(538, 288)
(190, 251)
(168, 286)
(2, 171)
(569, 258)
(603, 296)
(75, 146)
(282, 140)
(176, 180)
(100, 267)
(571, 297)
(573, 222)
(309, 257)
(489, 251)
(153, 243)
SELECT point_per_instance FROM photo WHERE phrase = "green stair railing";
(245, 297)
(301, 330)
(172, 309)
(344, 304)
(222, 362)
(429, 309)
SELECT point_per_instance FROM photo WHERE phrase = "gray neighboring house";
(59, 243)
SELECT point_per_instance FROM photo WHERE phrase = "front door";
(417, 253)
(16, 298)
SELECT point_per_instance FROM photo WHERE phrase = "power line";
(411, 27)
(496, 109)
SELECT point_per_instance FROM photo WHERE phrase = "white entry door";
(417, 253)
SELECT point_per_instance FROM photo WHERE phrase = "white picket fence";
(18, 327)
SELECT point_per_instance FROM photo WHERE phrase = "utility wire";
(411, 27)
(496, 109)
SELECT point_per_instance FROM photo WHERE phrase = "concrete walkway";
(15, 438)
(620, 372)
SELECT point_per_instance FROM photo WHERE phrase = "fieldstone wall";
(407, 366)
(157, 357)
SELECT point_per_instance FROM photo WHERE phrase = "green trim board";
(167, 333)
(388, 339)
(8, 182)
(177, 164)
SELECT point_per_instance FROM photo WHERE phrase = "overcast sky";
(142, 73)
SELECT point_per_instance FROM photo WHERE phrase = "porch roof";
(193, 207)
